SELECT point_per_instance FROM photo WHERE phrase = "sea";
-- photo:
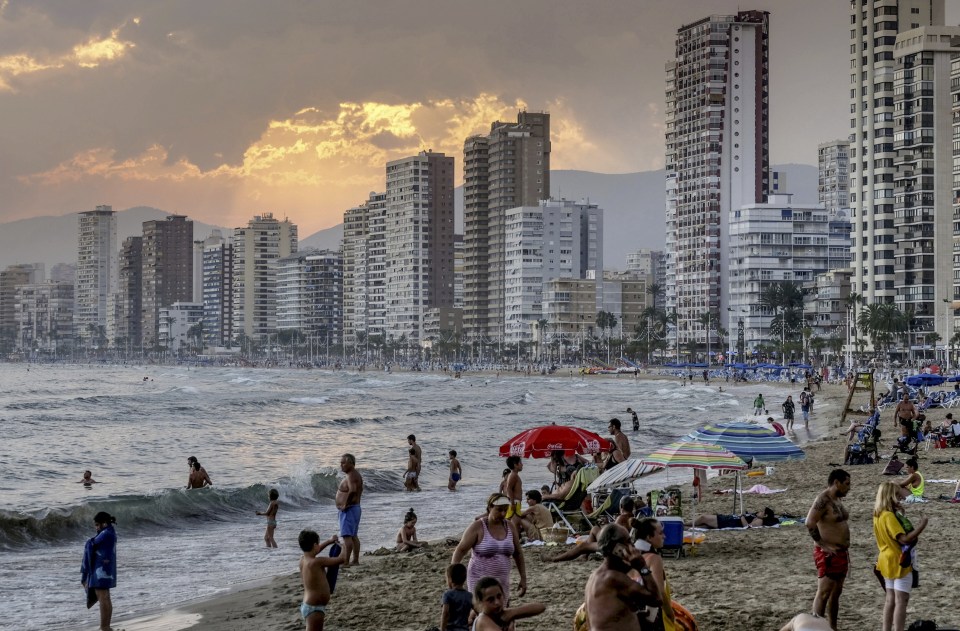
(259, 429)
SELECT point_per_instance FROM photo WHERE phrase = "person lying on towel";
(748, 520)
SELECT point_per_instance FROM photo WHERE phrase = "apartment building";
(44, 316)
(364, 269)
(833, 176)
(96, 272)
(310, 293)
(217, 290)
(129, 298)
(263, 240)
(167, 276)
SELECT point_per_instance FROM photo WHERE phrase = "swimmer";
(271, 515)
(455, 471)
(87, 479)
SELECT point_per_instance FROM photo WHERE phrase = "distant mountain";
(52, 240)
(633, 206)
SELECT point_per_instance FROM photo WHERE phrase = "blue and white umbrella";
(749, 441)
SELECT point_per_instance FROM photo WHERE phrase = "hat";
(500, 501)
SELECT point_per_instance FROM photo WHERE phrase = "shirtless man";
(198, 477)
(348, 503)
(412, 441)
(611, 596)
(513, 489)
(904, 413)
(411, 474)
(620, 447)
(829, 525)
(313, 570)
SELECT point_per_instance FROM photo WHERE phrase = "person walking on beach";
(456, 604)
(313, 570)
(619, 446)
(492, 544)
(829, 526)
(513, 489)
(759, 407)
(788, 410)
(271, 515)
(412, 441)
(98, 571)
(891, 537)
(455, 471)
(904, 414)
(348, 503)
(806, 402)
(611, 597)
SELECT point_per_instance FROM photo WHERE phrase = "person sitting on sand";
(407, 535)
(316, 589)
(87, 479)
(748, 520)
(612, 598)
(807, 622)
(625, 519)
(494, 615)
(914, 485)
(536, 518)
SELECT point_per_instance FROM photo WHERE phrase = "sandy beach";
(737, 579)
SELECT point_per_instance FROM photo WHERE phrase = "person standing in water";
(271, 515)
(455, 471)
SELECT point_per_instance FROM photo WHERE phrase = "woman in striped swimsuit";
(492, 542)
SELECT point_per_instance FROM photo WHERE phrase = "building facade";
(129, 301)
(11, 279)
(167, 275)
(874, 26)
(96, 273)
(833, 175)
(826, 305)
(364, 269)
(508, 168)
(923, 190)
(44, 314)
(217, 292)
(310, 294)
(178, 327)
(717, 155)
(265, 239)
(419, 241)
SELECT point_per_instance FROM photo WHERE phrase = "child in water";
(87, 479)
(407, 535)
(455, 471)
(271, 515)
(493, 616)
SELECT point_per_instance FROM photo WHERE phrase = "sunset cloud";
(89, 54)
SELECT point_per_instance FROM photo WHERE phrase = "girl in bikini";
(271, 515)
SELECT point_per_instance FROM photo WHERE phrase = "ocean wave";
(35, 405)
(354, 420)
(310, 400)
(441, 412)
(168, 509)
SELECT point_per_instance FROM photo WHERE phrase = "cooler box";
(672, 532)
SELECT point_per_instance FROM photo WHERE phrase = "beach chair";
(610, 505)
(570, 508)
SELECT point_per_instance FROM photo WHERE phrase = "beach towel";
(756, 489)
(334, 570)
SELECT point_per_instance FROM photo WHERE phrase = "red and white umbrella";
(541, 442)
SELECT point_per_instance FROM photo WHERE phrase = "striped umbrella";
(624, 473)
(695, 455)
(749, 441)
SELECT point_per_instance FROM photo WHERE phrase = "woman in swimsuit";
(492, 543)
(494, 616)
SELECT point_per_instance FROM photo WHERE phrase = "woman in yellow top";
(890, 537)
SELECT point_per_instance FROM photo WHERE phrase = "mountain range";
(633, 206)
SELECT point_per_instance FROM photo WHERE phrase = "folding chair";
(571, 506)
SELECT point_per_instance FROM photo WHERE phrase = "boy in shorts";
(455, 471)
(316, 589)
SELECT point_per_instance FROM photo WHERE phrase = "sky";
(223, 109)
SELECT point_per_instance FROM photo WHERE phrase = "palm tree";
(785, 299)
(655, 290)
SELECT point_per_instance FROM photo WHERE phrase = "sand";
(740, 579)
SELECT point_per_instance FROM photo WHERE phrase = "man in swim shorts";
(829, 525)
(412, 441)
(313, 570)
(410, 475)
(348, 503)
(513, 489)
(455, 471)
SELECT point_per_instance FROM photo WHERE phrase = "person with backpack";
(806, 402)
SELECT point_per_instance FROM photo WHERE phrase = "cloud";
(89, 54)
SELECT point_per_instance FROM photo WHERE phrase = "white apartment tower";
(97, 271)
(264, 240)
(924, 180)
(717, 155)
(364, 265)
(833, 175)
(874, 26)
(419, 241)
(310, 294)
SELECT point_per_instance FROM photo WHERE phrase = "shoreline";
(273, 603)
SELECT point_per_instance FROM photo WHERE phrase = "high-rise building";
(64, 273)
(265, 239)
(717, 155)
(419, 241)
(955, 99)
(833, 175)
(44, 314)
(874, 25)
(11, 279)
(310, 294)
(217, 290)
(364, 269)
(129, 302)
(508, 168)
(167, 275)
(96, 273)
(176, 327)
(924, 180)
(555, 239)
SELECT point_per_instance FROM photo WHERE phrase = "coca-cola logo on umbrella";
(593, 446)
(517, 449)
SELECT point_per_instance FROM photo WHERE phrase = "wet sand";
(738, 579)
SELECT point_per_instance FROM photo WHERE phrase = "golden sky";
(226, 108)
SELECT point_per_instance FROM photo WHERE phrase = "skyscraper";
(717, 155)
(310, 294)
(167, 275)
(364, 269)
(874, 25)
(129, 331)
(217, 290)
(264, 240)
(419, 240)
(508, 168)
(833, 175)
(96, 272)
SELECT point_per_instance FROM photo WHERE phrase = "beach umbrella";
(925, 379)
(953, 379)
(541, 442)
(697, 455)
(748, 441)
(624, 473)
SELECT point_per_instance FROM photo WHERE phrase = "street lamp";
(948, 326)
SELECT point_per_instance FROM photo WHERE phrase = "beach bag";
(923, 625)
(893, 467)
(682, 618)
